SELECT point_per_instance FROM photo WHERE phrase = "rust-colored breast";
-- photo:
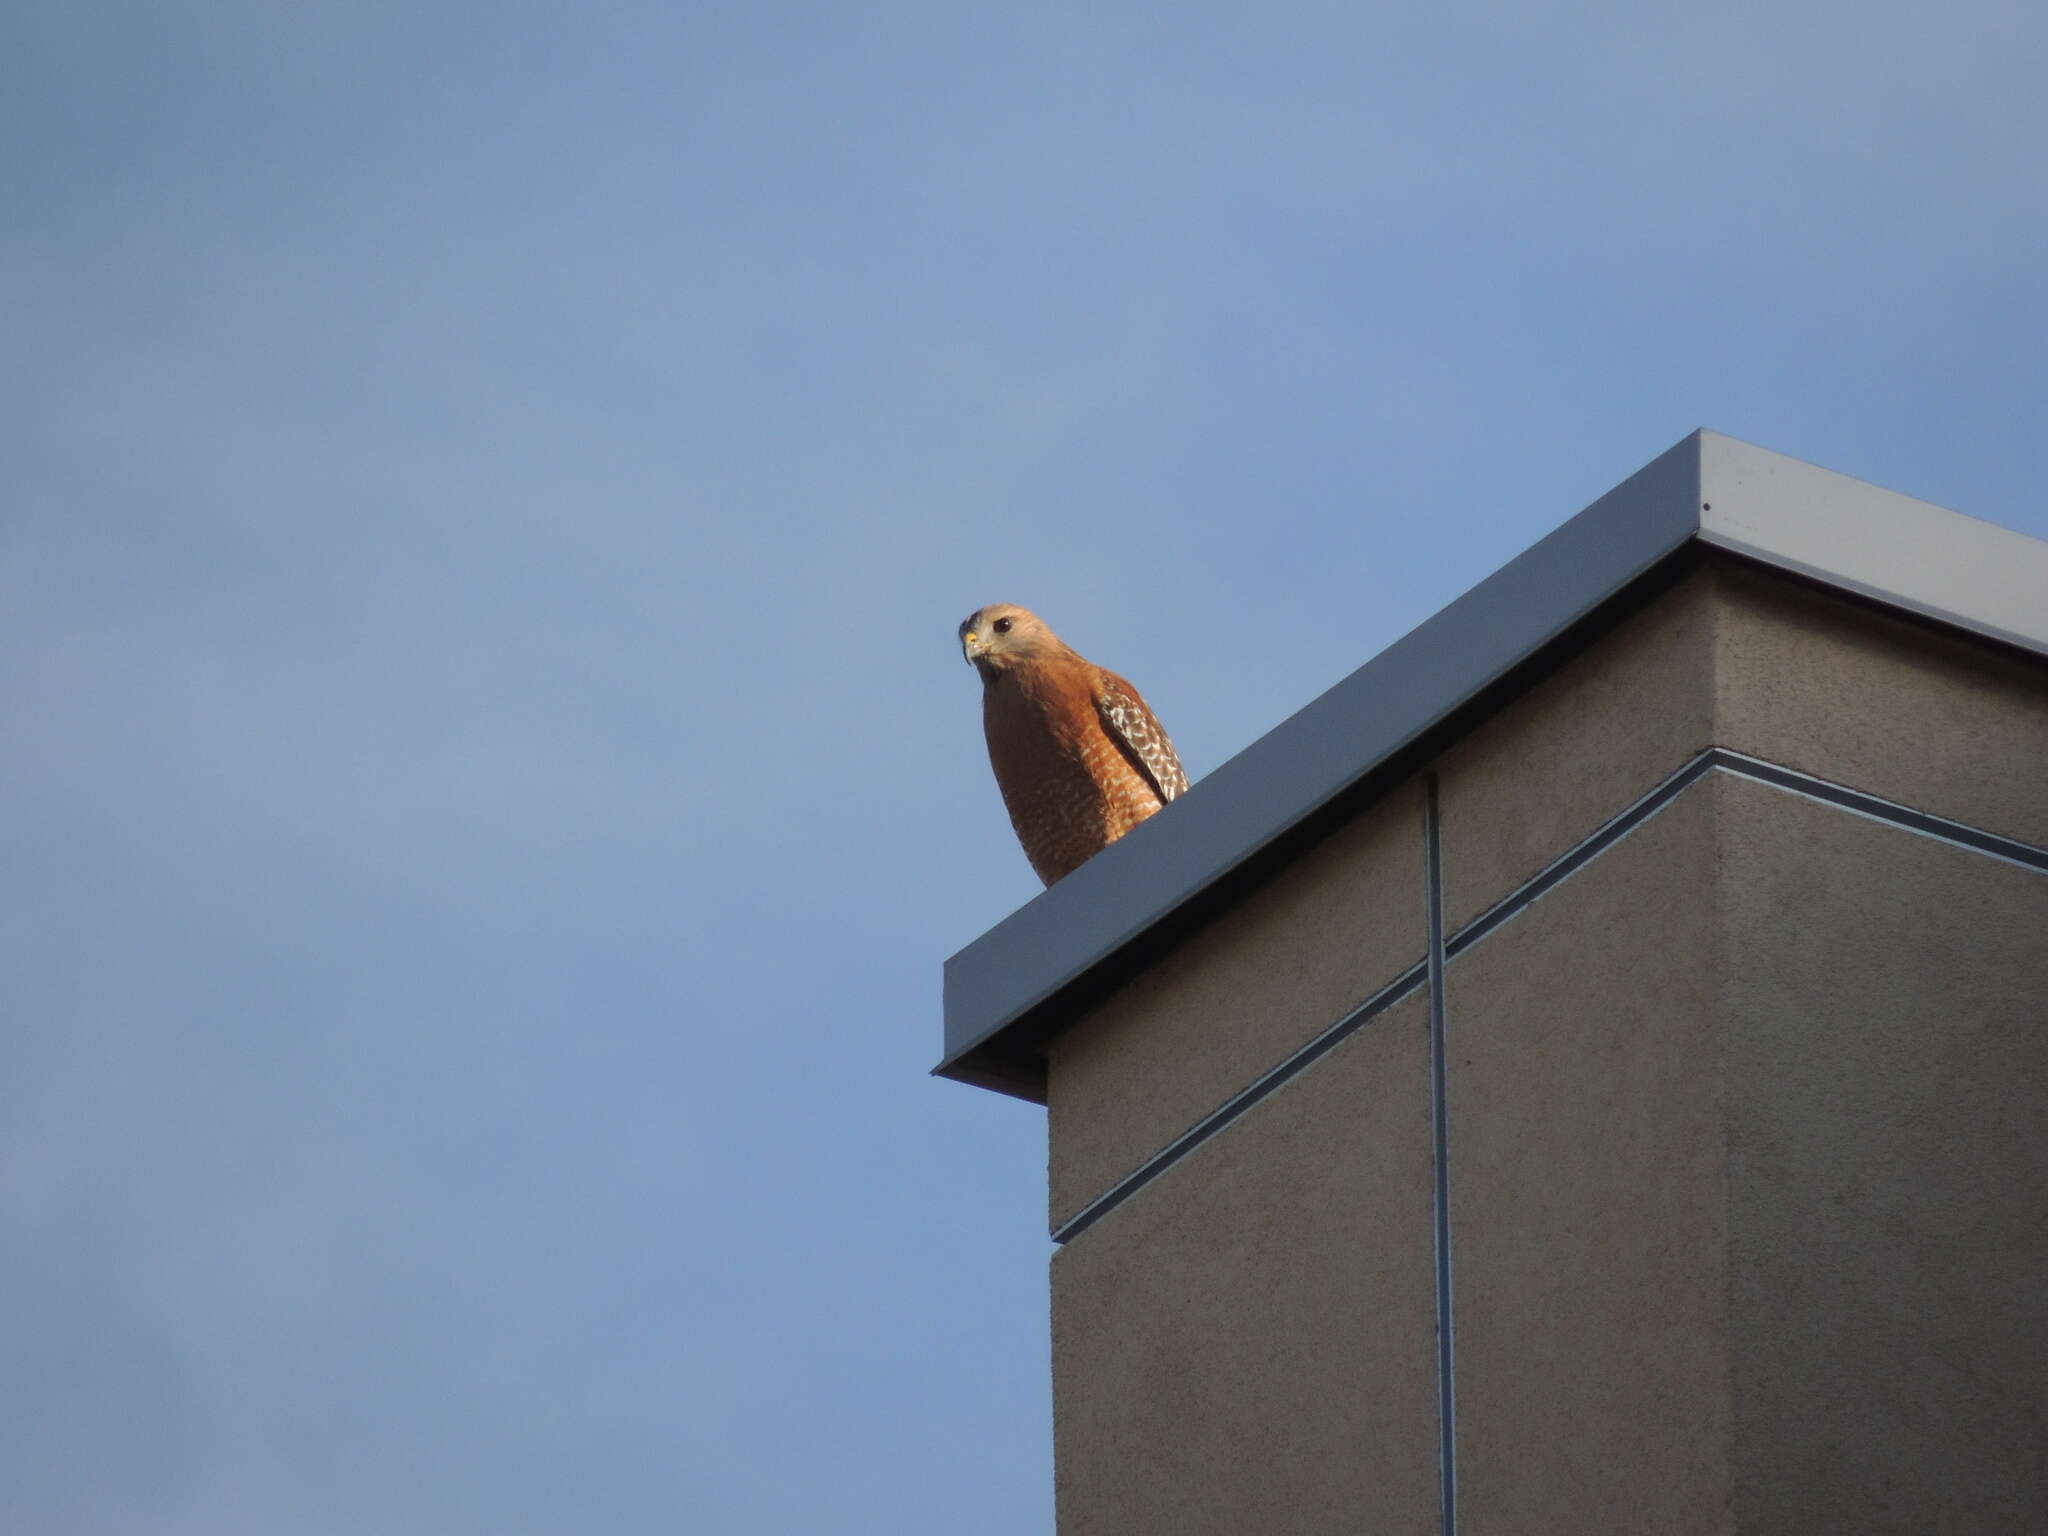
(1070, 789)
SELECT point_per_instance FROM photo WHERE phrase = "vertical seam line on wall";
(1439, 1065)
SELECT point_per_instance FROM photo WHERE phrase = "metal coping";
(1708, 490)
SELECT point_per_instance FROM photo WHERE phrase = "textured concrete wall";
(1884, 1024)
(1741, 658)
(1587, 1198)
(1246, 1347)
(1747, 1123)
(1578, 748)
(1340, 923)
(1881, 703)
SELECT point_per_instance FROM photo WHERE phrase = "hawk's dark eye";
(1001, 626)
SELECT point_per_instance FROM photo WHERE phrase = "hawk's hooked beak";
(972, 645)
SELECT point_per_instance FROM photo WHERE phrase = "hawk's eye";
(1001, 626)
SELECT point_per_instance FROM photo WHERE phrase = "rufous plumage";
(1079, 756)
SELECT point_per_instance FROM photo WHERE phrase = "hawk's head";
(1001, 635)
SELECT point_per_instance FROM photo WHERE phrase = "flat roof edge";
(1312, 756)
(1707, 489)
(1858, 537)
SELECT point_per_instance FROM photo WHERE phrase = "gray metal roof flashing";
(1003, 991)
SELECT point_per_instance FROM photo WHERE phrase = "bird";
(1078, 754)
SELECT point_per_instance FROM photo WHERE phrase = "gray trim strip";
(1955, 833)
(1862, 538)
(1440, 1125)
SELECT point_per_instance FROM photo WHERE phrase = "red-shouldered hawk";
(1079, 757)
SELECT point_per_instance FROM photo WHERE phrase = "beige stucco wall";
(1587, 1198)
(1749, 1154)
(1884, 1024)
(1247, 1346)
(1731, 657)
(1758, 663)
(1264, 978)
(1882, 703)
(1578, 748)
(1748, 1125)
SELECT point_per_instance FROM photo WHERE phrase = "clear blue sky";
(489, 782)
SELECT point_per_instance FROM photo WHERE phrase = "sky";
(486, 497)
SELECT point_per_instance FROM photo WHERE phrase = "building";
(1586, 1072)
